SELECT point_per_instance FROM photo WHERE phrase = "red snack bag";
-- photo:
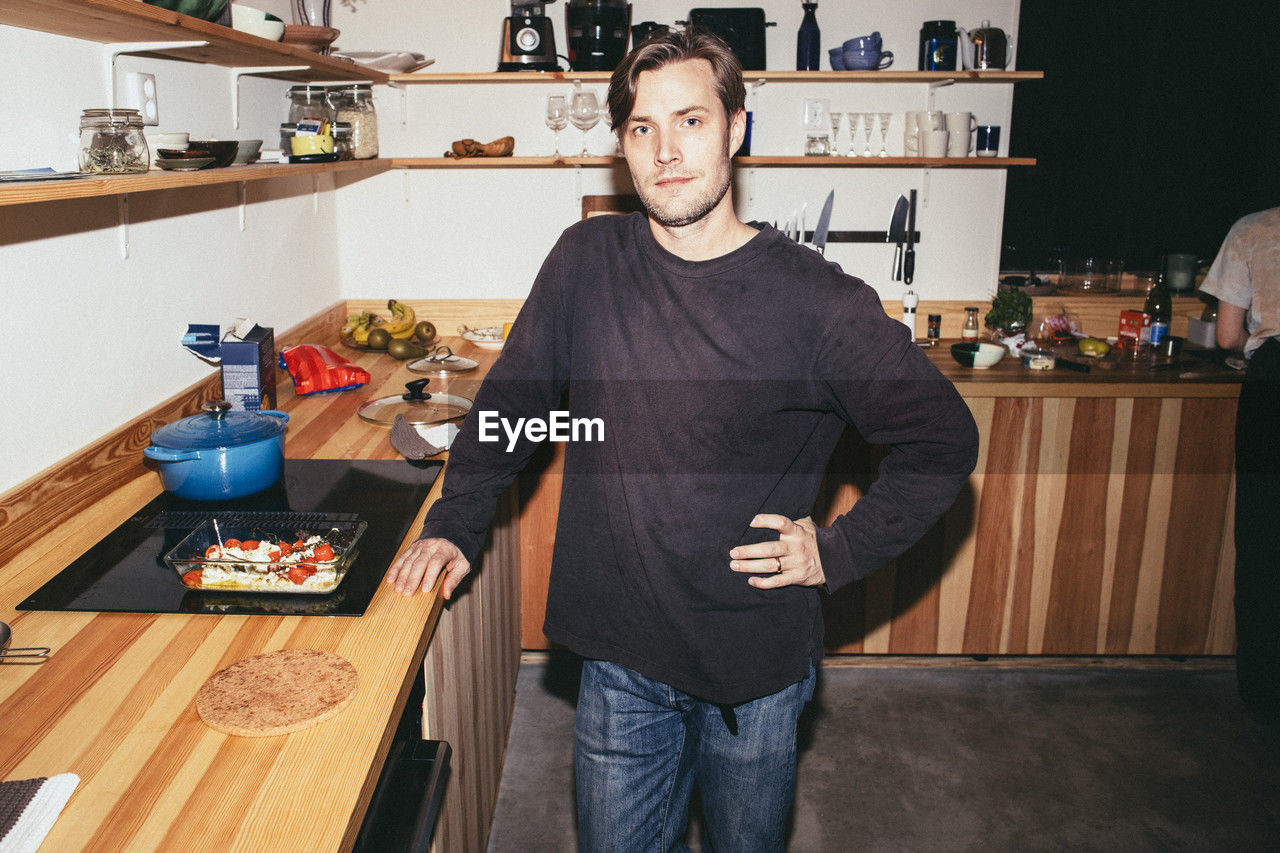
(316, 369)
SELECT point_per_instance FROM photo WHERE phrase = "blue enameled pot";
(220, 454)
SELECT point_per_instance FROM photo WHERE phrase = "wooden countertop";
(1194, 374)
(114, 703)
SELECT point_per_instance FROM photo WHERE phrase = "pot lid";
(417, 405)
(442, 362)
(219, 426)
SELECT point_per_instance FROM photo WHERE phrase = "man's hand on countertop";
(421, 563)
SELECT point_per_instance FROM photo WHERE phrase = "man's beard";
(681, 212)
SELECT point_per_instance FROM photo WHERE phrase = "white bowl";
(255, 22)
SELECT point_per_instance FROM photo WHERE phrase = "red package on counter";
(1133, 326)
(316, 368)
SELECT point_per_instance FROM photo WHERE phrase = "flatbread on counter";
(277, 692)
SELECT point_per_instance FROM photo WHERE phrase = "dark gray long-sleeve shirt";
(722, 387)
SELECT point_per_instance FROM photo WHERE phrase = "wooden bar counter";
(114, 702)
(1098, 521)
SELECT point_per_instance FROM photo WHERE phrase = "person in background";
(1245, 277)
(724, 361)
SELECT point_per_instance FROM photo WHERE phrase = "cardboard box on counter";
(247, 354)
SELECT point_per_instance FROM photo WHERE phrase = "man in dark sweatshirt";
(711, 367)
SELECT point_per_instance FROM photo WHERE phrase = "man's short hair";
(662, 49)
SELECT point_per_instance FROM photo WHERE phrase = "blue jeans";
(640, 745)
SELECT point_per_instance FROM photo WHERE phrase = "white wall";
(483, 233)
(89, 339)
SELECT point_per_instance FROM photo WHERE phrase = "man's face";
(678, 143)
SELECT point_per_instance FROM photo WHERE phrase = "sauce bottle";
(1159, 308)
(969, 332)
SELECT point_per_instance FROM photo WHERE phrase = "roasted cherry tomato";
(300, 573)
(274, 555)
(231, 543)
(285, 549)
(213, 552)
(250, 544)
(299, 545)
(192, 578)
(324, 552)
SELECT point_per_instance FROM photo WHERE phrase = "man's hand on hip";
(421, 563)
(792, 560)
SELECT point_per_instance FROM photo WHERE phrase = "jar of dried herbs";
(111, 142)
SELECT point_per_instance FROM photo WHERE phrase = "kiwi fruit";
(403, 348)
(379, 338)
(425, 332)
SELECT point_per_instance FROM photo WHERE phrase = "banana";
(358, 326)
(402, 319)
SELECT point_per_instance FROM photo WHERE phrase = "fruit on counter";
(403, 348)
(402, 319)
(358, 326)
(379, 338)
(425, 331)
(1093, 347)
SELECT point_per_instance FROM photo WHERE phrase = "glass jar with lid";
(111, 142)
(354, 104)
(342, 140)
(309, 101)
(969, 332)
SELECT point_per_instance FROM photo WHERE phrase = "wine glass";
(584, 112)
(854, 118)
(605, 119)
(557, 117)
(884, 132)
(836, 118)
(868, 119)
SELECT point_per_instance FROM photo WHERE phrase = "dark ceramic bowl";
(977, 354)
(206, 10)
(223, 151)
(182, 153)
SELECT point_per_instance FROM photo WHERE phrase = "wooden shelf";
(566, 162)
(752, 77)
(106, 185)
(119, 21)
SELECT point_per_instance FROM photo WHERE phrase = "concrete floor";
(918, 756)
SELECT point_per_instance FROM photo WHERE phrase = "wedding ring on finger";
(779, 568)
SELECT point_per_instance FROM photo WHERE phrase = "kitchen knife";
(897, 234)
(824, 224)
(909, 262)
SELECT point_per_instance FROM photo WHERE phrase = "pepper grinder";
(909, 303)
(808, 40)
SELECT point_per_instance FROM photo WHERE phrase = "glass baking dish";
(213, 558)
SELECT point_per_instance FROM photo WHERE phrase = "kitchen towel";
(418, 441)
(28, 808)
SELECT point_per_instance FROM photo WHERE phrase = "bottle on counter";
(935, 326)
(1159, 307)
(969, 332)
(909, 303)
(809, 40)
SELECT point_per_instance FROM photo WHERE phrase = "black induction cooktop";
(125, 572)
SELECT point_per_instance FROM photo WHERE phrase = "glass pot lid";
(417, 405)
(219, 426)
(442, 362)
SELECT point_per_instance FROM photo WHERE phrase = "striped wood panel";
(470, 677)
(1092, 525)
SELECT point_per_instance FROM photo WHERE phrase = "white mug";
(934, 143)
(919, 121)
(961, 126)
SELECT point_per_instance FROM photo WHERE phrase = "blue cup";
(867, 60)
(871, 42)
(988, 140)
(836, 54)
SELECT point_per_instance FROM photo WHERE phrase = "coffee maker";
(528, 42)
(597, 32)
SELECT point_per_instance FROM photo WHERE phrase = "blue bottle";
(809, 40)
